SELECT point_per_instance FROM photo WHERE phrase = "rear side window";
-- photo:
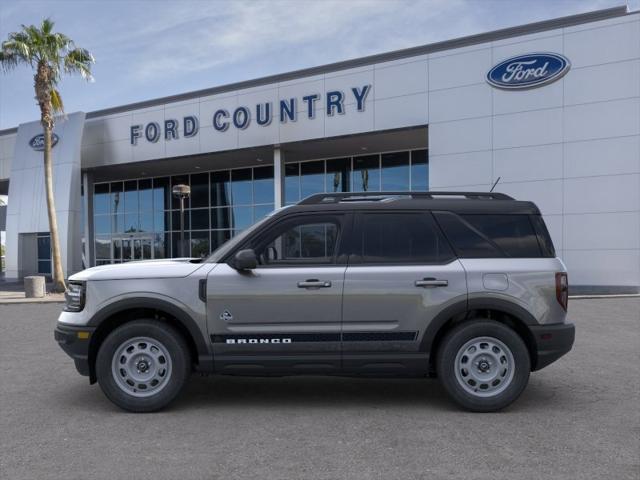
(400, 238)
(491, 235)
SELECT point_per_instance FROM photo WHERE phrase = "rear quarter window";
(492, 235)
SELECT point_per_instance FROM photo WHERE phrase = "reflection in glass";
(420, 170)
(160, 221)
(311, 178)
(338, 171)
(44, 246)
(242, 217)
(218, 237)
(175, 220)
(101, 198)
(101, 224)
(179, 180)
(292, 183)
(263, 185)
(261, 211)
(366, 173)
(200, 190)
(131, 196)
(199, 244)
(145, 195)
(241, 191)
(395, 171)
(160, 243)
(146, 222)
(200, 219)
(220, 218)
(103, 247)
(131, 223)
(161, 194)
(220, 189)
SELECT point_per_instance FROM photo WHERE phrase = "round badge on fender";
(528, 71)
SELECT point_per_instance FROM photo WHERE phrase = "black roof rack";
(324, 198)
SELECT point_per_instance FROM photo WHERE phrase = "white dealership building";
(552, 109)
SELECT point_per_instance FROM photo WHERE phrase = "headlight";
(74, 296)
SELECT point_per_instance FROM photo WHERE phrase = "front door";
(127, 249)
(401, 274)
(284, 315)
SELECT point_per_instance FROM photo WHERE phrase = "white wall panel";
(403, 79)
(612, 193)
(346, 81)
(212, 140)
(303, 129)
(603, 45)
(460, 69)
(547, 194)
(545, 42)
(602, 231)
(117, 127)
(460, 136)
(603, 267)
(460, 103)
(527, 128)
(460, 169)
(507, 101)
(601, 120)
(398, 112)
(528, 163)
(602, 82)
(608, 156)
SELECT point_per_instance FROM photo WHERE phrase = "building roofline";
(459, 42)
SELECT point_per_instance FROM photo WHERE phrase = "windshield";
(230, 244)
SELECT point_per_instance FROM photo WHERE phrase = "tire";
(143, 365)
(483, 365)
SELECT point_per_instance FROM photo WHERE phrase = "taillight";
(562, 289)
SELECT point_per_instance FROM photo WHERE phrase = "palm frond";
(79, 60)
(56, 101)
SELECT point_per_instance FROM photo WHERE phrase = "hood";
(173, 268)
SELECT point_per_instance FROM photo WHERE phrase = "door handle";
(313, 283)
(431, 283)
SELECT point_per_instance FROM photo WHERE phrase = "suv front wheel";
(483, 365)
(143, 365)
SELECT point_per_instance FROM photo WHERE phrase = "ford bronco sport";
(462, 286)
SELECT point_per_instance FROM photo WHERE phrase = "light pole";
(182, 192)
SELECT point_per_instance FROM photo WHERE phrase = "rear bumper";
(75, 342)
(552, 342)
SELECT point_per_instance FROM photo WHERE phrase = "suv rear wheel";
(142, 365)
(483, 365)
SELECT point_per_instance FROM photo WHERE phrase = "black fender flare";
(465, 306)
(205, 359)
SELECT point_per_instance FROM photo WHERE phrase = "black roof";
(458, 202)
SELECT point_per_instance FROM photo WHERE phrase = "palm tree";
(50, 55)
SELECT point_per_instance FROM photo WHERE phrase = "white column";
(278, 177)
(87, 186)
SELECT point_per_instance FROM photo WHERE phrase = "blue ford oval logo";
(37, 142)
(528, 71)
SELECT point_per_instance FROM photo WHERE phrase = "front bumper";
(75, 342)
(552, 342)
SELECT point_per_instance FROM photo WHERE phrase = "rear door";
(401, 274)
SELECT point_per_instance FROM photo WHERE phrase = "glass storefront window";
(366, 173)
(220, 218)
(292, 183)
(395, 171)
(420, 170)
(338, 172)
(263, 185)
(200, 219)
(199, 244)
(140, 219)
(241, 188)
(220, 189)
(101, 199)
(200, 190)
(311, 178)
(161, 194)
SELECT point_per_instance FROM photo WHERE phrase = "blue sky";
(151, 48)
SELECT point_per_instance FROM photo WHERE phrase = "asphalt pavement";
(578, 418)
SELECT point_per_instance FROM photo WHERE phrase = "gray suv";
(463, 286)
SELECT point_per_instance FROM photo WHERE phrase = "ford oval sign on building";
(528, 71)
(37, 142)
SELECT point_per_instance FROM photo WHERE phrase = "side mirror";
(245, 260)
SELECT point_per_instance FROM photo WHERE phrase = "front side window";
(304, 241)
(400, 238)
